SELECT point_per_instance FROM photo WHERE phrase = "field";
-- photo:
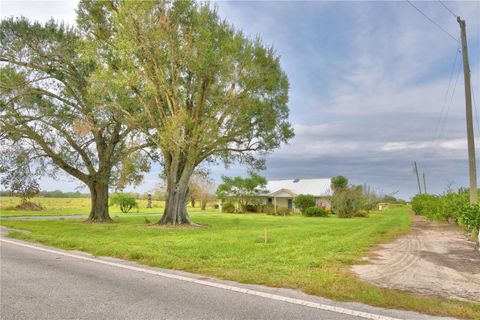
(310, 254)
(72, 206)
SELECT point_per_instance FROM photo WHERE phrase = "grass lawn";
(310, 254)
(72, 206)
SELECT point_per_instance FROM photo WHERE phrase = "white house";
(282, 192)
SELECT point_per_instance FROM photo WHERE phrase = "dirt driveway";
(433, 259)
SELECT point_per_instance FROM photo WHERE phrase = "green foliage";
(267, 208)
(315, 212)
(304, 201)
(243, 191)
(440, 207)
(16, 172)
(361, 214)
(346, 202)
(339, 182)
(228, 207)
(470, 217)
(282, 211)
(125, 201)
(49, 109)
(199, 88)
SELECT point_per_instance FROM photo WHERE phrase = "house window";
(270, 200)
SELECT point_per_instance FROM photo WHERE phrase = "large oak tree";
(205, 91)
(49, 112)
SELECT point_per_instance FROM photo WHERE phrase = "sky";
(373, 87)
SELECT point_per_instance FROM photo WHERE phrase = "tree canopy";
(49, 110)
(198, 88)
(244, 191)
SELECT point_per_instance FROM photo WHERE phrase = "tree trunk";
(176, 206)
(192, 201)
(99, 207)
(204, 204)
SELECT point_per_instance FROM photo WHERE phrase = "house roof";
(315, 187)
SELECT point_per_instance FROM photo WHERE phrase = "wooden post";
(418, 177)
(468, 108)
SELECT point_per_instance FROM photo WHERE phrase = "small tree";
(304, 201)
(244, 191)
(339, 182)
(125, 201)
(347, 201)
(470, 218)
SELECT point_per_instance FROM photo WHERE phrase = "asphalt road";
(60, 284)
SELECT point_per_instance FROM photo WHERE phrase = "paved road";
(55, 284)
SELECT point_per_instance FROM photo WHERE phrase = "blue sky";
(368, 88)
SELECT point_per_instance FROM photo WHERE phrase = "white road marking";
(305, 303)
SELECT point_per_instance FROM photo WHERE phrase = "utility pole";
(418, 177)
(424, 183)
(468, 105)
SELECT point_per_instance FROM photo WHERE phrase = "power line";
(448, 109)
(476, 111)
(453, 14)
(432, 21)
(444, 103)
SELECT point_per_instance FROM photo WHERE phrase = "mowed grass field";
(310, 254)
(73, 206)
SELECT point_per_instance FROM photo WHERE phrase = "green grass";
(72, 206)
(310, 254)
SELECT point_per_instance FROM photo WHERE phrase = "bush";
(251, 208)
(347, 201)
(283, 211)
(304, 201)
(315, 212)
(228, 207)
(361, 214)
(470, 218)
(424, 204)
(267, 208)
(125, 201)
(440, 207)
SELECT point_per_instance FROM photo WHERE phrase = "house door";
(290, 204)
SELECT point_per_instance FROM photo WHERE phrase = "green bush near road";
(313, 255)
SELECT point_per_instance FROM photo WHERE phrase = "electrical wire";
(476, 111)
(448, 9)
(432, 21)
(444, 103)
(448, 110)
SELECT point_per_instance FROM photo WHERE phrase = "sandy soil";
(433, 259)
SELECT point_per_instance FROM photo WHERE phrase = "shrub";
(304, 201)
(228, 207)
(251, 208)
(347, 201)
(424, 204)
(470, 218)
(267, 208)
(361, 214)
(315, 212)
(125, 201)
(283, 211)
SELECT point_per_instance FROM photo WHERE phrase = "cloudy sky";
(374, 86)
